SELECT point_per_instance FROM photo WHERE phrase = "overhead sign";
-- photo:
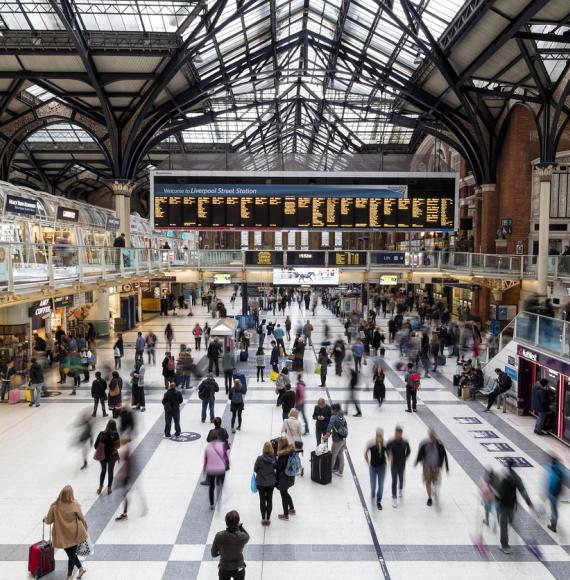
(388, 280)
(289, 200)
(345, 259)
(21, 205)
(305, 258)
(263, 258)
(388, 258)
(113, 223)
(46, 306)
(528, 354)
(222, 279)
(67, 214)
(306, 276)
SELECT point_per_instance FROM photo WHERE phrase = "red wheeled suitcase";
(41, 558)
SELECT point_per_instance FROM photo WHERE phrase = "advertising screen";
(388, 280)
(222, 279)
(306, 277)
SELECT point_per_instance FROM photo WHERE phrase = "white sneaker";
(394, 502)
(401, 493)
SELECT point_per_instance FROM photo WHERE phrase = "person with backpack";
(99, 394)
(375, 457)
(432, 456)
(507, 502)
(265, 480)
(236, 398)
(338, 430)
(115, 397)
(229, 546)
(503, 384)
(285, 477)
(171, 402)
(184, 367)
(321, 414)
(398, 450)
(216, 463)
(412, 380)
(168, 368)
(556, 479)
(151, 341)
(207, 394)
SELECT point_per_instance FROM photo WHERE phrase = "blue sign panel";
(512, 373)
(21, 205)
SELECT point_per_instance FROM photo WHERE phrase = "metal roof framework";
(92, 90)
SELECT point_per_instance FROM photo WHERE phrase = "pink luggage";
(14, 396)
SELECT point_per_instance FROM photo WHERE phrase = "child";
(117, 353)
(260, 363)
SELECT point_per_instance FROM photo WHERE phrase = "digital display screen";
(344, 259)
(373, 202)
(263, 258)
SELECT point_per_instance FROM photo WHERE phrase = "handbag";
(85, 548)
(273, 375)
(253, 483)
(99, 454)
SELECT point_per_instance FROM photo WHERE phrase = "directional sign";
(484, 434)
(467, 420)
(497, 446)
(517, 461)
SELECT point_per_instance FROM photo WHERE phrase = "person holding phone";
(228, 545)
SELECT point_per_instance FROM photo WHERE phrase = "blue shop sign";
(511, 373)
(21, 205)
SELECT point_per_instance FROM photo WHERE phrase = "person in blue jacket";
(556, 479)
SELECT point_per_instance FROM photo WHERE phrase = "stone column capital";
(545, 170)
(486, 188)
(121, 187)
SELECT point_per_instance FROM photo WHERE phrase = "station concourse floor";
(332, 534)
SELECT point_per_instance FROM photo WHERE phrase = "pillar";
(99, 312)
(489, 217)
(122, 189)
(544, 171)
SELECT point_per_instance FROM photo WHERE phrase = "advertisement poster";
(222, 279)
(306, 276)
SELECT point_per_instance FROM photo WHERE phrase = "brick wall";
(514, 175)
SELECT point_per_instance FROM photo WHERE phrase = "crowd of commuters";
(421, 330)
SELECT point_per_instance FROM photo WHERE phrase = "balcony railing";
(27, 266)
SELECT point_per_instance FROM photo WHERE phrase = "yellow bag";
(28, 394)
(273, 375)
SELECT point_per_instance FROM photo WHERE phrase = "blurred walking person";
(216, 463)
(398, 450)
(375, 457)
(432, 456)
(107, 453)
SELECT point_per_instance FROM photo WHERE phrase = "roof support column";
(544, 171)
(122, 189)
(489, 217)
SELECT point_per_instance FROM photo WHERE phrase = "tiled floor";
(337, 531)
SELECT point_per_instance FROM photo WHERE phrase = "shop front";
(534, 365)
(48, 314)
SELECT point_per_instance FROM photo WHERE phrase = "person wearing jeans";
(265, 479)
(206, 391)
(284, 482)
(37, 381)
(540, 404)
(109, 439)
(375, 457)
(398, 450)
(338, 430)
(216, 463)
(171, 402)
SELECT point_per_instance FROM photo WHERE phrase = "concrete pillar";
(122, 189)
(489, 217)
(99, 313)
(544, 171)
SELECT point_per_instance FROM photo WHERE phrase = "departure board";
(343, 259)
(289, 201)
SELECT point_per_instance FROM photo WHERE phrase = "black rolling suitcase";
(321, 467)
(456, 379)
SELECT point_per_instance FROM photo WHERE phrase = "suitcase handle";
(43, 532)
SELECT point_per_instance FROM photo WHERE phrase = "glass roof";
(61, 133)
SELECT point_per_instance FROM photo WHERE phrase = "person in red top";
(300, 401)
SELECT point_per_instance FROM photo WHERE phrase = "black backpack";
(203, 392)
